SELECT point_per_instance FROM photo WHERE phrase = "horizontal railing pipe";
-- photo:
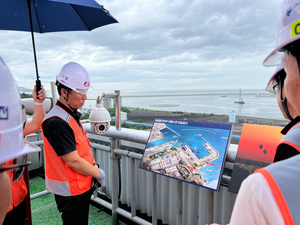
(237, 137)
(123, 135)
(120, 211)
(128, 154)
(231, 155)
(40, 194)
(100, 147)
(127, 215)
(37, 142)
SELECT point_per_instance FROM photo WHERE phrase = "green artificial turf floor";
(44, 211)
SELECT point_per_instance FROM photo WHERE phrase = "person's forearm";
(39, 114)
(83, 167)
(34, 124)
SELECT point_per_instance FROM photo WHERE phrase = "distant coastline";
(195, 94)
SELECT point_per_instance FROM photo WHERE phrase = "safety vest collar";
(291, 124)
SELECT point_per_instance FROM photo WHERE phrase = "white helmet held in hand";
(288, 30)
(75, 77)
(12, 144)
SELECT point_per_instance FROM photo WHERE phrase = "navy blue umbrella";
(52, 16)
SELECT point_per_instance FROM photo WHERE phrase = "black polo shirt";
(59, 133)
(285, 151)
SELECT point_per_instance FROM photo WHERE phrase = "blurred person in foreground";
(271, 195)
(19, 190)
(12, 144)
(70, 166)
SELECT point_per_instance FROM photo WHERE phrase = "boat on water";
(240, 98)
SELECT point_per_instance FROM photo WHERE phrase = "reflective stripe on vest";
(60, 178)
(284, 181)
(292, 137)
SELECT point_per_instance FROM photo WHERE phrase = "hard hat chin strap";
(285, 108)
(66, 99)
(284, 101)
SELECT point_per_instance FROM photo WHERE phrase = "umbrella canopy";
(43, 16)
(53, 15)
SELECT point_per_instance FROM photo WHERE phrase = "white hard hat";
(12, 144)
(74, 76)
(288, 30)
(271, 83)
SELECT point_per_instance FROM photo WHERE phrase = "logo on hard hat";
(86, 84)
(288, 12)
(295, 28)
(3, 112)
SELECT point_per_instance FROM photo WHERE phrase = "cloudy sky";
(160, 45)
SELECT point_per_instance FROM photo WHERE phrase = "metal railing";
(161, 198)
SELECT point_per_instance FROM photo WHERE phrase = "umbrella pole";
(37, 82)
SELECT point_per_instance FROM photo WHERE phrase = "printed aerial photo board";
(189, 151)
(257, 148)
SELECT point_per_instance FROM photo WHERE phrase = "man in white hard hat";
(12, 144)
(277, 83)
(271, 195)
(70, 167)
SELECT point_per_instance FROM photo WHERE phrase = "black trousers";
(74, 209)
(17, 215)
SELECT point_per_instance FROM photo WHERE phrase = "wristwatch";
(96, 164)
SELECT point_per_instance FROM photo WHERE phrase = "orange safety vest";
(284, 181)
(60, 178)
(18, 189)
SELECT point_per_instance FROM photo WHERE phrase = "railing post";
(53, 91)
(118, 110)
(179, 203)
(154, 199)
(133, 203)
(115, 178)
(210, 206)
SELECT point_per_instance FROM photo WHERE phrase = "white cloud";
(163, 44)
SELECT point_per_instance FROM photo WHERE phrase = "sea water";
(212, 102)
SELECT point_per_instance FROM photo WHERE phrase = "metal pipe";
(40, 194)
(136, 219)
(154, 199)
(225, 179)
(37, 142)
(179, 203)
(128, 154)
(123, 135)
(102, 95)
(100, 147)
(118, 110)
(231, 155)
(53, 91)
(122, 212)
(99, 98)
(115, 176)
(210, 206)
(101, 202)
(133, 203)
(235, 137)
